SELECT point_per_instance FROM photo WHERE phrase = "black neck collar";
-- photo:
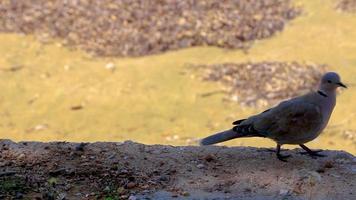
(322, 93)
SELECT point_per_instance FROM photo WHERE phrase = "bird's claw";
(283, 157)
(313, 154)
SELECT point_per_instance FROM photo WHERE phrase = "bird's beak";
(342, 85)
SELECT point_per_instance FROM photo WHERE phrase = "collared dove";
(294, 121)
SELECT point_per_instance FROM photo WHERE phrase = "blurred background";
(168, 71)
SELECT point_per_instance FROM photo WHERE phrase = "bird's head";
(330, 81)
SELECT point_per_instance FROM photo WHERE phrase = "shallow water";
(152, 99)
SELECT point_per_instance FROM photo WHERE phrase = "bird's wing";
(290, 117)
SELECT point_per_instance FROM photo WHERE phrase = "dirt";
(62, 170)
(140, 27)
(280, 80)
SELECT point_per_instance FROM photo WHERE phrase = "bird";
(295, 121)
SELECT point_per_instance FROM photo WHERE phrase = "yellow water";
(151, 99)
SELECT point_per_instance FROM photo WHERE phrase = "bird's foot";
(283, 158)
(313, 154)
(310, 152)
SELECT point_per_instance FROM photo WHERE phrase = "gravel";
(141, 27)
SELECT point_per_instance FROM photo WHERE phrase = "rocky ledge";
(108, 170)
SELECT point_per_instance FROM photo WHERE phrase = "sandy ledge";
(103, 170)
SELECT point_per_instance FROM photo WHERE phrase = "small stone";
(132, 197)
(107, 189)
(8, 173)
(247, 190)
(19, 195)
(328, 164)
(145, 187)
(185, 193)
(353, 169)
(57, 172)
(61, 196)
(80, 147)
(21, 156)
(283, 191)
(110, 66)
(123, 172)
(320, 170)
(164, 178)
(131, 185)
(200, 166)
(334, 175)
(121, 190)
(209, 158)
(314, 178)
(77, 107)
(40, 127)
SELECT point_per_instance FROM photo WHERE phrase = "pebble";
(132, 197)
(110, 66)
(283, 191)
(131, 185)
(66, 67)
(80, 147)
(57, 172)
(353, 169)
(19, 195)
(313, 178)
(61, 196)
(164, 178)
(124, 172)
(209, 158)
(200, 166)
(329, 164)
(185, 193)
(7, 173)
(21, 156)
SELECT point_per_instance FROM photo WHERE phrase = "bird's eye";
(329, 81)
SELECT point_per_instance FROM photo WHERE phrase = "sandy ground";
(129, 170)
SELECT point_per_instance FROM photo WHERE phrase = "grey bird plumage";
(295, 121)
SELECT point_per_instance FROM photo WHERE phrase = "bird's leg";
(279, 156)
(311, 152)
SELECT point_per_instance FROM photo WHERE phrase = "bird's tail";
(220, 137)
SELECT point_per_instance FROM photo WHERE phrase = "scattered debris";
(80, 146)
(38, 127)
(140, 27)
(110, 66)
(12, 68)
(281, 80)
(77, 107)
(209, 158)
(200, 166)
(347, 6)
